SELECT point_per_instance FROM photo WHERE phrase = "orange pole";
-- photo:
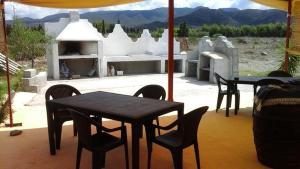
(7, 67)
(288, 34)
(171, 50)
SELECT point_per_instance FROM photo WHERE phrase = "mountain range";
(158, 17)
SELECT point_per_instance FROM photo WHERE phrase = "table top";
(117, 106)
(254, 79)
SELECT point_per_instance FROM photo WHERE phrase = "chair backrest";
(60, 91)
(152, 91)
(220, 80)
(279, 73)
(264, 82)
(83, 124)
(191, 123)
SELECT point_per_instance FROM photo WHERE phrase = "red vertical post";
(7, 66)
(288, 34)
(171, 50)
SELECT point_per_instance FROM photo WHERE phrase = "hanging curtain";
(2, 32)
(295, 30)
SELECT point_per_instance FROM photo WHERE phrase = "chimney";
(74, 16)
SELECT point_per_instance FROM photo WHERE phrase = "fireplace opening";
(68, 48)
(78, 68)
(204, 68)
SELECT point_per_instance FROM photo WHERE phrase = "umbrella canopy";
(74, 3)
(280, 4)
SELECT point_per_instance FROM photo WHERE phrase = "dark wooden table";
(133, 110)
(251, 80)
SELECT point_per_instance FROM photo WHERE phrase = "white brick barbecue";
(219, 57)
(83, 48)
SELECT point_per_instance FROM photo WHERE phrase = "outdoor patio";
(224, 142)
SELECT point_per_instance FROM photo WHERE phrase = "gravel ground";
(259, 54)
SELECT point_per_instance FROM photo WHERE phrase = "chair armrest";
(168, 127)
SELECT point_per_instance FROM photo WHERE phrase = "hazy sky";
(37, 12)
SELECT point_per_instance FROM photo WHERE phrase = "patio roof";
(73, 3)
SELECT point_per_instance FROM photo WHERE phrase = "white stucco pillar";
(163, 66)
(55, 62)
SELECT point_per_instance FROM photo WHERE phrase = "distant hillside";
(229, 16)
(129, 18)
(192, 16)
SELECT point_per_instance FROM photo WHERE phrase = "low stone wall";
(33, 82)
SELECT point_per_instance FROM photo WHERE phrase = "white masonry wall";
(142, 56)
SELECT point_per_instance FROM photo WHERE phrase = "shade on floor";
(225, 143)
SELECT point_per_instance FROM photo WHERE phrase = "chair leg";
(97, 158)
(79, 150)
(254, 90)
(219, 101)
(141, 131)
(237, 103)
(157, 122)
(58, 129)
(197, 156)
(126, 155)
(74, 128)
(228, 102)
(177, 158)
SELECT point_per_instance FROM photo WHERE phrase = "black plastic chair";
(61, 115)
(276, 73)
(177, 140)
(153, 92)
(232, 91)
(98, 143)
(279, 73)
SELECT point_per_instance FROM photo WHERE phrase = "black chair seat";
(105, 141)
(172, 138)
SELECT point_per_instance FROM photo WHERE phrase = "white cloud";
(39, 12)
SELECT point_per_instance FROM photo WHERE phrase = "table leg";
(135, 145)
(50, 129)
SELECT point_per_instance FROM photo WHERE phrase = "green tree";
(183, 30)
(25, 43)
(103, 28)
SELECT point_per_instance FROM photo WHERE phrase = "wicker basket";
(277, 136)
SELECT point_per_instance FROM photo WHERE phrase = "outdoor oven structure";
(76, 49)
(213, 57)
(80, 48)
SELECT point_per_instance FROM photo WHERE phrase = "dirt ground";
(259, 54)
